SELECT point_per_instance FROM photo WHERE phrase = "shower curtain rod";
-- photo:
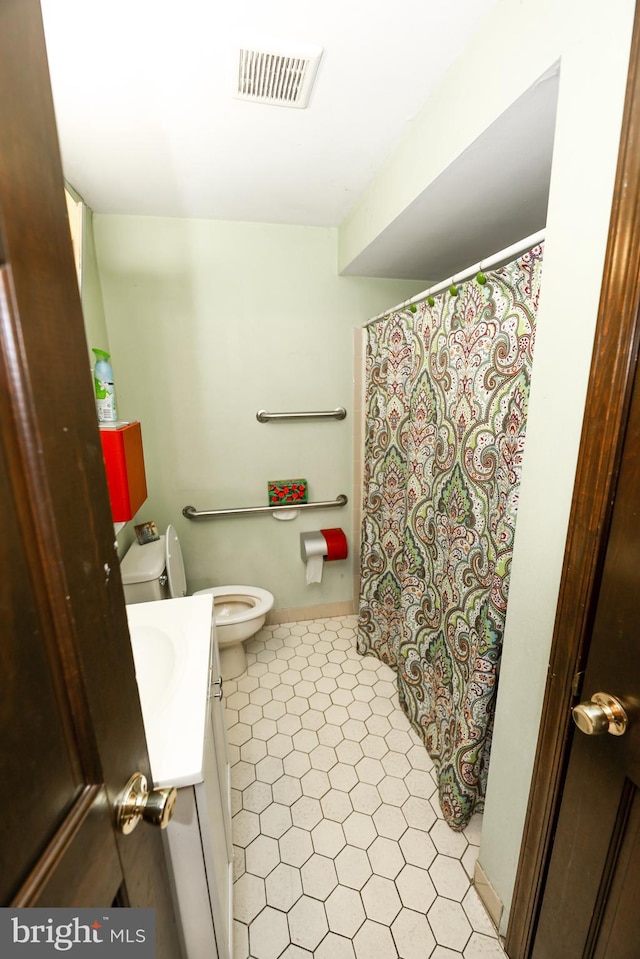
(503, 256)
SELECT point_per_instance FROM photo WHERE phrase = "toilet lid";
(174, 564)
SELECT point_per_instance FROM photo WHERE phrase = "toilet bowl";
(156, 571)
(239, 612)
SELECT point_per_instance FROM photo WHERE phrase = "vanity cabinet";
(198, 841)
(178, 671)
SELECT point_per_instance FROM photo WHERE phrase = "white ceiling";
(148, 124)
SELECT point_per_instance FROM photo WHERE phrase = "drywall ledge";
(492, 195)
(517, 44)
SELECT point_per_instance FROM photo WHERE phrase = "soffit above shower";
(494, 194)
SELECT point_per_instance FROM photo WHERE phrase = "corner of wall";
(95, 323)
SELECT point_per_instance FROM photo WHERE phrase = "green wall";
(208, 322)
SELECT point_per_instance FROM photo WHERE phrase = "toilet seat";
(244, 602)
(174, 563)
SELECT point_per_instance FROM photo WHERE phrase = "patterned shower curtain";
(446, 403)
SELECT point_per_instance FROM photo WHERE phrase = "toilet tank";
(143, 572)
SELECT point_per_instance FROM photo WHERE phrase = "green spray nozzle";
(101, 354)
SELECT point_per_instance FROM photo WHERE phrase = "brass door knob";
(602, 714)
(136, 802)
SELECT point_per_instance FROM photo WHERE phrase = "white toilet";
(156, 571)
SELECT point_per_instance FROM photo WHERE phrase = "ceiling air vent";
(282, 79)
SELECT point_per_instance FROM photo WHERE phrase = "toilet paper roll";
(315, 565)
(313, 549)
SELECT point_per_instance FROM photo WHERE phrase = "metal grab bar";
(190, 512)
(338, 414)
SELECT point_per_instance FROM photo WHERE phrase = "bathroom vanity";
(177, 668)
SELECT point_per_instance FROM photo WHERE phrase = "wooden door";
(591, 906)
(71, 729)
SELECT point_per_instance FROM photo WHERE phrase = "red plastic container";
(124, 465)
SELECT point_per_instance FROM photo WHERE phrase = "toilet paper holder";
(312, 544)
(320, 546)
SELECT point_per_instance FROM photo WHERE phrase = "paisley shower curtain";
(446, 402)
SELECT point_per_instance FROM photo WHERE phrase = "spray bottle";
(104, 389)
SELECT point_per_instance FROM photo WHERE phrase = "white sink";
(158, 665)
(171, 642)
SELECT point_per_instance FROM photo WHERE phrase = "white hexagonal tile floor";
(340, 846)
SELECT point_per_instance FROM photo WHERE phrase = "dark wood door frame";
(612, 372)
(71, 727)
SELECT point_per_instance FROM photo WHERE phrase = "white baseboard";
(488, 895)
